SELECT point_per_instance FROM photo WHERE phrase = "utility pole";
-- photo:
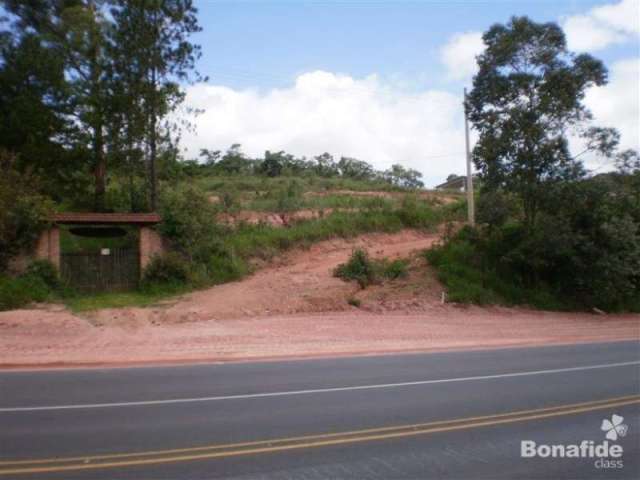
(470, 201)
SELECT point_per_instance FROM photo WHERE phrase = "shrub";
(395, 269)
(166, 269)
(358, 268)
(46, 271)
(188, 222)
(18, 292)
(494, 208)
(24, 213)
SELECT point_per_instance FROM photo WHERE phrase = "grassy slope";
(263, 241)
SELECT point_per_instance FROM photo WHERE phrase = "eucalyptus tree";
(527, 99)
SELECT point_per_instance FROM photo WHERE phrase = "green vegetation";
(142, 298)
(85, 124)
(361, 268)
(549, 235)
(40, 282)
(24, 213)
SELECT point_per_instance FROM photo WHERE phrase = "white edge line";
(310, 391)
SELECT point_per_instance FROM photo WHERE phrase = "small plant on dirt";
(395, 269)
(359, 268)
(354, 302)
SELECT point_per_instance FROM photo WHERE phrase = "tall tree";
(74, 31)
(153, 35)
(528, 94)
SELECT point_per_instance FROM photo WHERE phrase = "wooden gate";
(95, 272)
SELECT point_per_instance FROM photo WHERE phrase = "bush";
(18, 292)
(358, 268)
(188, 222)
(168, 269)
(24, 213)
(366, 271)
(395, 269)
(494, 208)
(46, 271)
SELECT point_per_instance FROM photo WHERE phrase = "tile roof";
(106, 218)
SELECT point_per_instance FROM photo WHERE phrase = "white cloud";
(603, 26)
(584, 33)
(459, 55)
(323, 111)
(617, 104)
(624, 16)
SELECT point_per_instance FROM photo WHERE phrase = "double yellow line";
(53, 465)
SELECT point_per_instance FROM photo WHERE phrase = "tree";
(402, 177)
(325, 165)
(527, 94)
(154, 36)
(210, 157)
(273, 163)
(354, 168)
(35, 122)
(74, 31)
(233, 161)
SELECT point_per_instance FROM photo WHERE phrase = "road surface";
(447, 415)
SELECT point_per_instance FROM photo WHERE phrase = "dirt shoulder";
(295, 308)
(50, 339)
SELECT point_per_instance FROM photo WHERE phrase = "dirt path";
(301, 282)
(277, 313)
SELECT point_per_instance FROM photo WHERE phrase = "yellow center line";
(309, 441)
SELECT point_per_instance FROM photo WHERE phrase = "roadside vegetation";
(367, 271)
(550, 234)
(86, 126)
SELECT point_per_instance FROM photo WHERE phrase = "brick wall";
(150, 245)
(48, 247)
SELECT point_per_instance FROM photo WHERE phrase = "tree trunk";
(100, 170)
(153, 146)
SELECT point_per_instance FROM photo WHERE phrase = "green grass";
(264, 240)
(269, 202)
(81, 303)
(254, 183)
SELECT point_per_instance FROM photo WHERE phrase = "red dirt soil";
(295, 308)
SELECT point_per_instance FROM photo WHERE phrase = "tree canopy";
(527, 97)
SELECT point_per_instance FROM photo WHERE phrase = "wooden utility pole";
(470, 200)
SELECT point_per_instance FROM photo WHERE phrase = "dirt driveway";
(295, 308)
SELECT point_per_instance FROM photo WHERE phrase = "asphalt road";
(451, 415)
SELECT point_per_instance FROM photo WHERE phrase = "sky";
(382, 81)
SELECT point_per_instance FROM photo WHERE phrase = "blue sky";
(385, 59)
(268, 43)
